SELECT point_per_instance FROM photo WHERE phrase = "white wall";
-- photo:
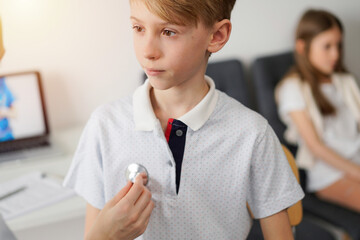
(84, 48)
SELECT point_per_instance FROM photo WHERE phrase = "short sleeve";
(290, 98)
(85, 175)
(273, 186)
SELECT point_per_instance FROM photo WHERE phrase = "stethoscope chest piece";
(135, 169)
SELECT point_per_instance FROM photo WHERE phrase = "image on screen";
(21, 112)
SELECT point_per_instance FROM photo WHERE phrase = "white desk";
(57, 215)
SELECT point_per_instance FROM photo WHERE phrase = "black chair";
(229, 77)
(267, 71)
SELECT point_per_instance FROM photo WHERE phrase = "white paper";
(40, 192)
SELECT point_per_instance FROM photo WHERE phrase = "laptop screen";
(22, 109)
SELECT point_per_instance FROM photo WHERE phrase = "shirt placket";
(174, 139)
(169, 164)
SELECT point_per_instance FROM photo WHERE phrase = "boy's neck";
(176, 101)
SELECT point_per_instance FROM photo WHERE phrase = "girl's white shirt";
(340, 132)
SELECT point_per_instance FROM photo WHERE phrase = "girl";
(319, 102)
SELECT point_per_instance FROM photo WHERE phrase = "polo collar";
(144, 116)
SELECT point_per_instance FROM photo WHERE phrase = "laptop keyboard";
(39, 151)
(15, 146)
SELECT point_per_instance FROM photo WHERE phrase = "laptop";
(24, 129)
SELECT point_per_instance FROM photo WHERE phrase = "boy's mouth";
(153, 72)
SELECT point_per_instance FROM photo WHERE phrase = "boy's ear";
(300, 46)
(220, 35)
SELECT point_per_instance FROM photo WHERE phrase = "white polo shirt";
(231, 157)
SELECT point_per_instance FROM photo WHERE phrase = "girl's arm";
(317, 147)
(277, 227)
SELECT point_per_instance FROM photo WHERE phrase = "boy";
(206, 154)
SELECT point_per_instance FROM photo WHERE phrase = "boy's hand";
(126, 216)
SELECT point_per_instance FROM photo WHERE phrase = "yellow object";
(346, 237)
(2, 50)
(295, 212)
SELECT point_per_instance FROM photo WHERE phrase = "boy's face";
(170, 55)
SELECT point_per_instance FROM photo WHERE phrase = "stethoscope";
(135, 169)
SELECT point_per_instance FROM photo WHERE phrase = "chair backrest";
(229, 77)
(267, 72)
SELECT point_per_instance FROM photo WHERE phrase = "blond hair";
(190, 12)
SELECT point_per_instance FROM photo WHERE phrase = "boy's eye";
(168, 33)
(138, 28)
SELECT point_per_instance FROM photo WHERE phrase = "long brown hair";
(312, 23)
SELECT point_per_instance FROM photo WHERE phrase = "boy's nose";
(151, 49)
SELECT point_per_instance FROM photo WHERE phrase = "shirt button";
(179, 133)
(170, 163)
